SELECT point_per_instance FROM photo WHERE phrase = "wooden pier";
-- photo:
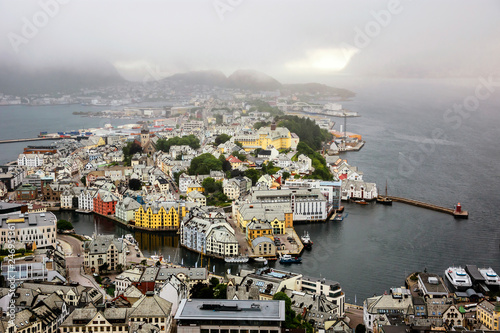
(456, 213)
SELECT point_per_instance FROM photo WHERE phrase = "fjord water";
(376, 246)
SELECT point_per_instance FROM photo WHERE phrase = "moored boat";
(384, 200)
(490, 276)
(288, 259)
(458, 278)
(306, 240)
(361, 202)
(237, 260)
(339, 217)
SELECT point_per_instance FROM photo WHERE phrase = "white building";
(358, 189)
(104, 249)
(86, 199)
(125, 280)
(30, 160)
(307, 205)
(195, 196)
(125, 209)
(38, 228)
(221, 240)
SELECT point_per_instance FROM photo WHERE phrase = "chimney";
(273, 126)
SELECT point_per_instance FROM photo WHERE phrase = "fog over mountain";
(292, 41)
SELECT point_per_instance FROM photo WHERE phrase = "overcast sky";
(293, 41)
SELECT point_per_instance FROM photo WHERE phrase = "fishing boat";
(260, 259)
(339, 217)
(288, 259)
(384, 200)
(306, 240)
(236, 260)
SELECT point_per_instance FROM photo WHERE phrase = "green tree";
(307, 130)
(209, 185)
(239, 144)
(64, 225)
(134, 184)
(360, 328)
(214, 282)
(84, 180)
(176, 177)
(222, 138)
(129, 150)
(226, 166)
(202, 290)
(220, 291)
(286, 175)
(253, 174)
(203, 164)
(189, 140)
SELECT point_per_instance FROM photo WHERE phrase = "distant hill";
(317, 87)
(209, 78)
(253, 80)
(17, 80)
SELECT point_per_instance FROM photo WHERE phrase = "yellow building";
(489, 315)
(195, 187)
(257, 229)
(162, 216)
(278, 137)
(278, 215)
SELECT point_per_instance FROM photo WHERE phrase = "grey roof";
(31, 220)
(128, 204)
(101, 243)
(474, 273)
(151, 306)
(261, 240)
(149, 274)
(432, 288)
(133, 292)
(246, 309)
(192, 273)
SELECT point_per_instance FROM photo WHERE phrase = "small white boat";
(491, 278)
(238, 260)
(260, 259)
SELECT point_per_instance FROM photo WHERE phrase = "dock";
(458, 212)
(30, 139)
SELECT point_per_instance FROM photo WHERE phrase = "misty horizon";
(291, 41)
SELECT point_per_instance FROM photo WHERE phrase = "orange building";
(105, 203)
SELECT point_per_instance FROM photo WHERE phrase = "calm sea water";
(375, 247)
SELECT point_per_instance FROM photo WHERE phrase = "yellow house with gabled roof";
(161, 216)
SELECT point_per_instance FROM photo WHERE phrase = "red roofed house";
(235, 162)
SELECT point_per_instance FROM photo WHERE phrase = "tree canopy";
(130, 150)
(203, 164)
(188, 140)
(307, 130)
(134, 184)
(64, 225)
(222, 138)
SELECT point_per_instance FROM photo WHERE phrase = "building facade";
(33, 228)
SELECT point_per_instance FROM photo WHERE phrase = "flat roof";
(199, 309)
(28, 220)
